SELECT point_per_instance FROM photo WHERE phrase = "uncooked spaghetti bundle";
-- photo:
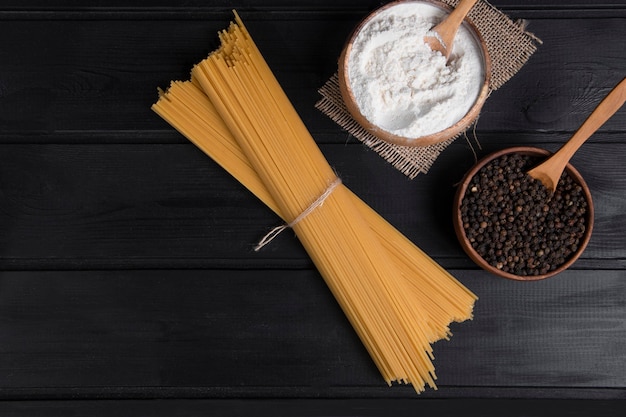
(398, 300)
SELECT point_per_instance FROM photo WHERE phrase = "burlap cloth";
(509, 46)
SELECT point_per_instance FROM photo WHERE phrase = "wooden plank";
(144, 206)
(97, 74)
(311, 408)
(278, 333)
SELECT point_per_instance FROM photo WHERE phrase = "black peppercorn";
(515, 224)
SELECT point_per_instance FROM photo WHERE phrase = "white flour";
(400, 84)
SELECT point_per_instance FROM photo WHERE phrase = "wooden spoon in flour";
(446, 29)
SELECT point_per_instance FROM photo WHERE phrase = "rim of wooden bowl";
(437, 137)
(467, 246)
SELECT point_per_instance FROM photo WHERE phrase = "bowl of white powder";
(400, 90)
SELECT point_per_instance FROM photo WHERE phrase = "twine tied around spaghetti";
(317, 203)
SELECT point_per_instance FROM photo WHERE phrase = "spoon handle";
(448, 27)
(607, 108)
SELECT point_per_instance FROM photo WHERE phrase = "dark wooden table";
(127, 281)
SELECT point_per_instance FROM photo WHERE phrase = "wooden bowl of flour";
(400, 92)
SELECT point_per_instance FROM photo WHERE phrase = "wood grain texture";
(312, 408)
(286, 336)
(147, 206)
(96, 75)
(128, 284)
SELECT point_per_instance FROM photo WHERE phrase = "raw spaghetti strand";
(189, 111)
(184, 98)
(438, 296)
(345, 253)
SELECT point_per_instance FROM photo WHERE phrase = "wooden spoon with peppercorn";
(549, 171)
(447, 28)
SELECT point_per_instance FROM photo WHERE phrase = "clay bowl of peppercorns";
(512, 226)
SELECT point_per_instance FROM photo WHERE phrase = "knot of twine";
(278, 229)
